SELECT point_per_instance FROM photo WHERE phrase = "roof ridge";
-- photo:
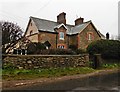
(42, 19)
(51, 21)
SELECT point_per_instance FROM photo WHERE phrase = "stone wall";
(45, 61)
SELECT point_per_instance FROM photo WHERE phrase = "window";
(31, 32)
(61, 46)
(90, 36)
(61, 35)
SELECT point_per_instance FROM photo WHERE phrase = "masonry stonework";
(45, 61)
(44, 36)
(78, 35)
(83, 40)
(61, 42)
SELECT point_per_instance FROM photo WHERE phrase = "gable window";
(90, 36)
(61, 34)
(31, 32)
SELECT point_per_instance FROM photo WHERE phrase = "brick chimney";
(79, 21)
(61, 18)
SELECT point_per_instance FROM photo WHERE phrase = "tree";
(11, 33)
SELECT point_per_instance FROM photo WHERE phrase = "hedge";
(109, 49)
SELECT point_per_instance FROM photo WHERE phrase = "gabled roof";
(102, 36)
(60, 25)
(44, 25)
(79, 28)
(49, 26)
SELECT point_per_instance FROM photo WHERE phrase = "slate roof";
(78, 28)
(48, 26)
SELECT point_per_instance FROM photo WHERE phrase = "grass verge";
(23, 74)
(15, 74)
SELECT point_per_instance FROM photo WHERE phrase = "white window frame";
(61, 47)
(61, 35)
(31, 32)
(89, 36)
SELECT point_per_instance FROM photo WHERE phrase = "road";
(98, 82)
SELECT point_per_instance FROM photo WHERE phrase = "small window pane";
(62, 35)
(89, 36)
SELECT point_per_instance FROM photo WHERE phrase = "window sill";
(61, 39)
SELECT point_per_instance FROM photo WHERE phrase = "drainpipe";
(56, 39)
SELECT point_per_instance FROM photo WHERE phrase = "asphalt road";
(106, 83)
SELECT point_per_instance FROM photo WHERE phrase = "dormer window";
(61, 34)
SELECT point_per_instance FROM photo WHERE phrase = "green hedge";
(109, 49)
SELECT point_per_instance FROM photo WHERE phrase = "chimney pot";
(79, 21)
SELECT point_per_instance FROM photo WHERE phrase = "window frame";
(61, 35)
(31, 32)
(61, 46)
(90, 36)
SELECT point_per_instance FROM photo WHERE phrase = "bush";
(35, 48)
(80, 51)
(57, 52)
(31, 48)
(109, 49)
(73, 47)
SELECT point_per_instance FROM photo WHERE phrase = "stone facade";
(46, 36)
(84, 40)
(80, 35)
(62, 42)
(45, 61)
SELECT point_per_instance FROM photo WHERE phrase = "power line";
(12, 15)
(13, 19)
(44, 6)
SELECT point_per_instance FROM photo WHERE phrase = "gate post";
(97, 60)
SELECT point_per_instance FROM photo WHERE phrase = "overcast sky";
(103, 13)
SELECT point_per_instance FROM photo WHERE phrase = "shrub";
(31, 48)
(80, 51)
(57, 52)
(109, 49)
(35, 48)
(73, 47)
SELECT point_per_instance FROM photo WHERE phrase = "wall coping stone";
(14, 55)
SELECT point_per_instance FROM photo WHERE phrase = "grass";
(15, 74)
(10, 73)
(110, 65)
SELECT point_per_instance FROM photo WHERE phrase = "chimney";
(61, 18)
(107, 35)
(79, 21)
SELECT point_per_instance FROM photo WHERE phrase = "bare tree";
(11, 33)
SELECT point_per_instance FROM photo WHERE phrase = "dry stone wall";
(45, 61)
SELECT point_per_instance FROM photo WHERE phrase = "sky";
(103, 13)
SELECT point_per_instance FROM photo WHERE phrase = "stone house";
(61, 35)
